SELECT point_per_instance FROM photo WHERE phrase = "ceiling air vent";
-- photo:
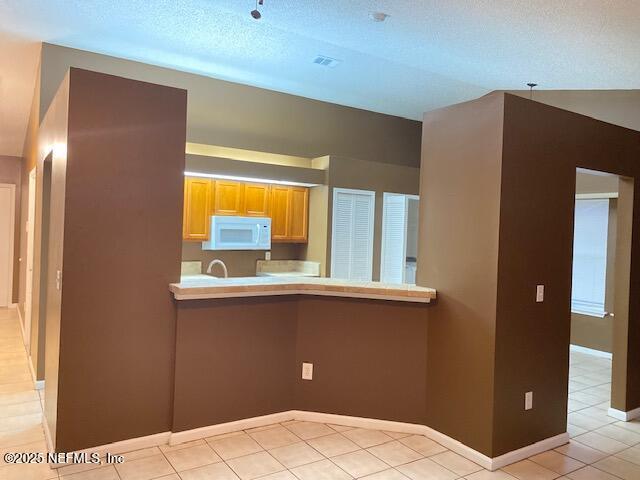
(326, 61)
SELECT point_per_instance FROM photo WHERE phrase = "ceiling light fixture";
(378, 16)
(256, 13)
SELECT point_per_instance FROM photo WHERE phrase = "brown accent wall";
(10, 172)
(369, 358)
(115, 237)
(241, 358)
(458, 255)
(487, 250)
(235, 359)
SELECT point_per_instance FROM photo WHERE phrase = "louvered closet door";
(352, 234)
(394, 241)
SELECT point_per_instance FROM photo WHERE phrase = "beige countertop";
(194, 287)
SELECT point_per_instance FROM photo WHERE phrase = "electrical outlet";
(528, 400)
(307, 371)
(539, 293)
(267, 255)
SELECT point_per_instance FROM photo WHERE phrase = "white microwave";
(239, 233)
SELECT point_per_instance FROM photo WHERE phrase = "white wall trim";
(221, 428)
(590, 351)
(596, 196)
(124, 446)
(38, 384)
(174, 438)
(24, 333)
(446, 441)
(47, 434)
(624, 416)
(525, 452)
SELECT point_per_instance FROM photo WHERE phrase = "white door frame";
(30, 230)
(12, 232)
(407, 197)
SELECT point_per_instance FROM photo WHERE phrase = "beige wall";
(10, 169)
(619, 107)
(239, 116)
(378, 177)
(241, 263)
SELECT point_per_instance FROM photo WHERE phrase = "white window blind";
(590, 256)
(394, 238)
(352, 234)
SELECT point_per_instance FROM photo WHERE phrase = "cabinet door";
(195, 218)
(256, 200)
(280, 213)
(228, 198)
(298, 214)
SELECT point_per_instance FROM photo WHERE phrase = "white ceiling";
(428, 53)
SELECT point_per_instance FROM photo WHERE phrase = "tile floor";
(601, 448)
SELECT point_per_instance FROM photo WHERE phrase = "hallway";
(20, 408)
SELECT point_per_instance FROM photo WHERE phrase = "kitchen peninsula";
(241, 342)
(204, 286)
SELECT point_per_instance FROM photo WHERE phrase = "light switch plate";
(267, 255)
(528, 400)
(539, 293)
(307, 371)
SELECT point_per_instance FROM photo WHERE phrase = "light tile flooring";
(601, 449)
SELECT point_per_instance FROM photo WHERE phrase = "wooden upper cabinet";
(289, 214)
(299, 214)
(288, 207)
(279, 213)
(228, 198)
(196, 210)
(256, 200)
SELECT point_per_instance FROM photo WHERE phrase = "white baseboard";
(444, 440)
(624, 416)
(221, 428)
(590, 351)
(24, 333)
(124, 446)
(47, 433)
(526, 452)
(38, 384)
(174, 438)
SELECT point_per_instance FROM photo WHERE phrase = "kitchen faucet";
(219, 262)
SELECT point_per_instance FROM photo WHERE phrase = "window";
(590, 256)
(352, 234)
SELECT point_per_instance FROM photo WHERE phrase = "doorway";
(31, 220)
(7, 225)
(399, 251)
(600, 278)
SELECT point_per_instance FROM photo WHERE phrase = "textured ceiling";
(427, 54)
